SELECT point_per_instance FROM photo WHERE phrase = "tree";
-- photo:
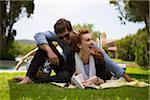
(10, 12)
(77, 27)
(134, 47)
(95, 34)
(140, 47)
(133, 10)
(125, 48)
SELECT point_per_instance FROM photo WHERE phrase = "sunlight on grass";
(9, 90)
(138, 70)
(124, 62)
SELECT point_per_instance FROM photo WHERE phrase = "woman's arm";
(93, 80)
(90, 81)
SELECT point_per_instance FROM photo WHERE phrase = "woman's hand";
(86, 83)
(99, 81)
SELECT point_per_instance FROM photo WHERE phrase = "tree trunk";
(1, 14)
(3, 25)
(147, 29)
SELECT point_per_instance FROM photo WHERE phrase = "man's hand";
(53, 58)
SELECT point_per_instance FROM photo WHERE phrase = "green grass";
(124, 62)
(138, 70)
(9, 90)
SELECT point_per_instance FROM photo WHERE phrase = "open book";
(78, 79)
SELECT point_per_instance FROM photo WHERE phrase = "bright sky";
(97, 12)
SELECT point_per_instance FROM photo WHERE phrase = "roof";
(114, 48)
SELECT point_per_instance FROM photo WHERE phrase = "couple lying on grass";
(80, 55)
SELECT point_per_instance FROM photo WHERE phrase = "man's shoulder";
(44, 32)
(52, 32)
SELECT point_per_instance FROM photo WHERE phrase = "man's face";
(67, 36)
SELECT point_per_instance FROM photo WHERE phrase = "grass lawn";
(124, 62)
(9, 90)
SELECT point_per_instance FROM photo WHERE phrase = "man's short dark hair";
(62, 25)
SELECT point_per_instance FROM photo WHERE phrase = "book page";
(77, 80)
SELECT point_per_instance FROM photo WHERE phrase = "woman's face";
(86, 42)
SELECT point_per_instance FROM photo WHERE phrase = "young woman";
(90, 62)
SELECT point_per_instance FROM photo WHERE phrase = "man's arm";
(42, 39)
(53, 58)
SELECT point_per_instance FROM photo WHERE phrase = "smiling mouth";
(90, 47)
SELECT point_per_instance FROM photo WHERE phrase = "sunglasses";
(66, 35)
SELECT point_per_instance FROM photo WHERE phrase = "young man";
(63, 64)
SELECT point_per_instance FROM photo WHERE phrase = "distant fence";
(7, 63)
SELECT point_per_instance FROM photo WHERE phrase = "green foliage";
(87, 26)
(95, 34)
(141, 57)
(8, 53)
(16, 49)
(132, 10)
(24, 48)
(107, 51)
(134, 48)
(141, 47)
(10, 12)
(125, 48)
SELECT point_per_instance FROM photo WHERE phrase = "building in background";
(112, 48)
(103, 39)
(109, 44)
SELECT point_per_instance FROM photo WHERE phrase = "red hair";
(98, 55)
(78, 38)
